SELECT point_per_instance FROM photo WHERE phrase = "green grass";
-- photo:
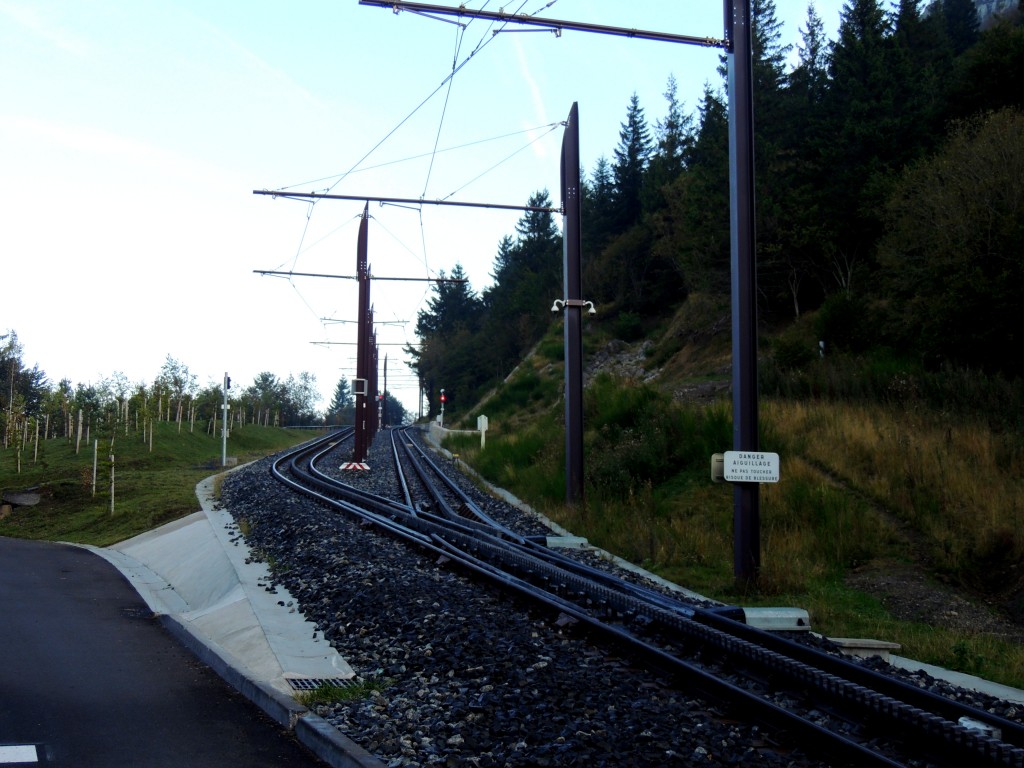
(840, 504)
(329, 693)
(150, 487)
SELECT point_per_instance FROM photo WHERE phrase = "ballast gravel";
(461, 674)
(466, 675)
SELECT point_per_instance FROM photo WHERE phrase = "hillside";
(898, 511)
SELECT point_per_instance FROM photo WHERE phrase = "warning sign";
(751, 467)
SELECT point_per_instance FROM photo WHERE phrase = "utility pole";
(572, 278)
(225, 406)
(362, 382)
(384, 396)
(737, 44)
(746, 496)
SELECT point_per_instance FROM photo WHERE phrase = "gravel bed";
(467, 675)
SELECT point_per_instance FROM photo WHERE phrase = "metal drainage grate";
(312, 683)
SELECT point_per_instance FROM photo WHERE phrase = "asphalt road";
(89, 678)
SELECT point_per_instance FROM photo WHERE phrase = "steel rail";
(526, 564)
(418, 458)
(441, 542)
(711, 685)
(726, 619)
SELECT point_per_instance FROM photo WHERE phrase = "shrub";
(842, 323)
(628, 326)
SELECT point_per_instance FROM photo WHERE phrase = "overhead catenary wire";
(457, 66)
(444, 109)
(455, 70)
(420, 156)
(551, 128)
(313, 202)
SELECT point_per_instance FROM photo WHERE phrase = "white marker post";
(481, 424)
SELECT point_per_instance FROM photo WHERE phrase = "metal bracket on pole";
(561, 304)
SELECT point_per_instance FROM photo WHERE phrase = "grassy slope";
(864, 487)
(150, 487)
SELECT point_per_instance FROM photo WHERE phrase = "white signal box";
(750, 467)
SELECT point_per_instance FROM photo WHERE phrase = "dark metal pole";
(362, 340)
(384, 402)
(746, 496)
(372, 414)
(573, 283)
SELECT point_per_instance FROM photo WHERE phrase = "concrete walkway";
(193, 573)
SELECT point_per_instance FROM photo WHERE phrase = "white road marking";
(18, 753)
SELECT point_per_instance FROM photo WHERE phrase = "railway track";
(841, 710)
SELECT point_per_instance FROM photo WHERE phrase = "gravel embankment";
(471, 678)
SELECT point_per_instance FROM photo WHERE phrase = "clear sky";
(132, 136)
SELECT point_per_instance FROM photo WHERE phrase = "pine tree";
(792, 281)
(448, 329)
(453, 307)
(692, 233)
(773, 136)
(861, 117)
(531, 273)
(768, 51)
(342, 407)
(809, 79)
(631, 158)
(539, 241)
(504, 260)
(962, 23)
(989, 74)
(675, 136)
(921, 68)
(598, 207)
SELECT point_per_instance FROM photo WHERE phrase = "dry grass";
(953, 482)
(860, 484)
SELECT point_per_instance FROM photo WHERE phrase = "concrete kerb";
(320, 737)
(324, 740)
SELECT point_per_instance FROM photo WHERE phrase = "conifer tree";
(342, 407)
(674, 136)
(630, 164)
(598, 207)
(962, 23)
(860, 120)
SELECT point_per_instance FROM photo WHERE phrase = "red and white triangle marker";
(355, 465)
